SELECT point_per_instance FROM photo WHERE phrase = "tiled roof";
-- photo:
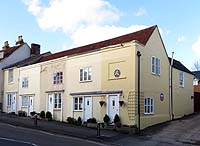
(28, 61)
(141, 36)
(9, 51)
(178, 65)
(196, 74)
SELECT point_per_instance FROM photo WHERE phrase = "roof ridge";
(141, 35)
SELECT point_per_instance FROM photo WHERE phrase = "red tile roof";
(141, 36)
(9, 51)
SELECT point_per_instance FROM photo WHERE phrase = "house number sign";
(117, 73)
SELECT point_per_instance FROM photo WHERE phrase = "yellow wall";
(47, 86)
(32, 72)
(153, 85)
(183, 104)
(10, 87)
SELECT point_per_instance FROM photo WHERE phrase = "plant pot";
(101, 103)
(121, 103)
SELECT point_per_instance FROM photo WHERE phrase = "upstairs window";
(155, 65)
(25, 82)
(10, 75)
(57, 78)
(148, 105)
(86, 74)
(181, 79)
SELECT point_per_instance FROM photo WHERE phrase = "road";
(19, 136)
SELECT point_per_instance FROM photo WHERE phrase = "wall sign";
(161, 97)
(117, 73)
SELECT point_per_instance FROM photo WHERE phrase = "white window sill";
(85, 81)
(78, 110)
(148, 113)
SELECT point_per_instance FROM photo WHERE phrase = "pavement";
(181, 132)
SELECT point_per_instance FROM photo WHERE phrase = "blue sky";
(62, 24)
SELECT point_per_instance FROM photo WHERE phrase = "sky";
(59, 25)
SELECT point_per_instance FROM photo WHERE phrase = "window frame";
(57, 100)
(79, 104)
(25, 82)
(57, 78)
(10, 76)
(181, 79)
(155, 65)
(9, 99)
(148, 105)
(22, 102)
(85, 74)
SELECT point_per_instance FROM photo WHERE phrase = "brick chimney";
(20, 40)
(35, 49)
(6, 45)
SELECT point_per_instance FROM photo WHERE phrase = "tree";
(196, 66)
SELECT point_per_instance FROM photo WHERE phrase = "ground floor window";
(57, 100)
(24, 101)
(9, 99)
(78, 103)
(148, 105)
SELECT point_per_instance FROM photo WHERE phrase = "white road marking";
(19, 141)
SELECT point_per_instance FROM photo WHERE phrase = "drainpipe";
(138, 55)
(170, 90)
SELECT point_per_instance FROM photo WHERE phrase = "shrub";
(22, 113)
(71, 120)
(91, 120)
(42, 114)
(106, 119)
(48, 116)
(79, 121)
(117, 121)
(32, 113)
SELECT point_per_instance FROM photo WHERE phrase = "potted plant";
(121, 103)
(106, 119)
(101, 103)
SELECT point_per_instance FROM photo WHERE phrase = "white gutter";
(170, 90)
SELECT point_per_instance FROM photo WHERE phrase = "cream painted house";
(75, 81)
(22, 85)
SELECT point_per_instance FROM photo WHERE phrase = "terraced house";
(102, 78)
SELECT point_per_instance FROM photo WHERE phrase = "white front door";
(13, 102)
(50, 103)
(113, 106)
(88, 108)
(31, 104)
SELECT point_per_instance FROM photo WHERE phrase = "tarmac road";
(18, 136)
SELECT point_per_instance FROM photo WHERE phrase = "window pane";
(153, 66)
(89, 73)
(85, 74)
(81, 74)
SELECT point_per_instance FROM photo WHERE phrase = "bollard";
(98, 129)
(35, 120)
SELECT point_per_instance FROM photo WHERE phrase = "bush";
(71, 120)
(42, 114)
(91, 120)
(116, 119)
(106, 119)
(22, 113)
(48, 116)
(79, 121)
(32, 113)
